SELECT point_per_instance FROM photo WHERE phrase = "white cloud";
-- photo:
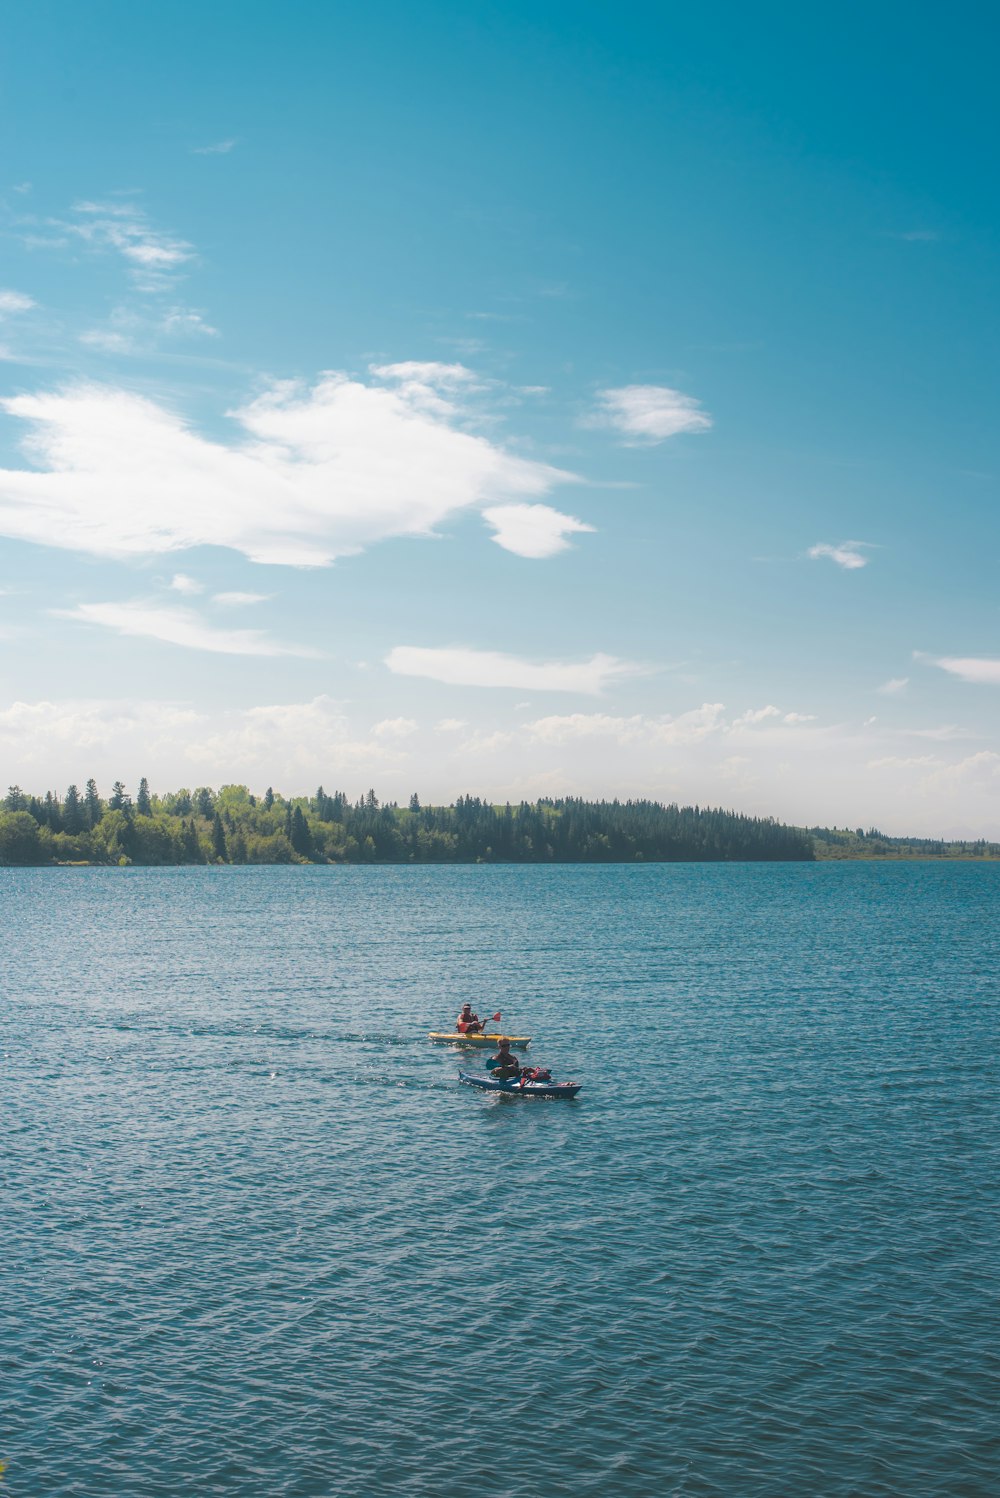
(178, 626)
(34, 728)
(289, 745)
(220, 148)
(450, 725)
(314, 474)
(490, 668)
(982, 671)
(847, 554)
(152, 255)
(129, 331)
(239, 600)
(944, 733)
(756, 715)
(903, 762)
(685, 728)
(532, 530)
(894, 686)
(649, 413)
(293, 745)
(691, 727)
(395, 728)
(979, 772)
(185, 322)
(182, 583)
(15, 301)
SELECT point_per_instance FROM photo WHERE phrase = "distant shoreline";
(235, 826)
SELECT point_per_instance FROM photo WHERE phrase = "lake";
(256, 1239)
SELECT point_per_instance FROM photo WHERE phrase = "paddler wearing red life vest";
(467, 1022)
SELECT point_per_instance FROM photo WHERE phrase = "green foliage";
(232, 826)
(833, 843)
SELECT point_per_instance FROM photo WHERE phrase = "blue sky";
(506, 399)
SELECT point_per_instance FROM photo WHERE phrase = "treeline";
(846, 842)
(232, 825)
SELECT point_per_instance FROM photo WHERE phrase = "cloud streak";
(461, 667)
(311, 474)
(979, 670)
(152, 256)
(179, 626)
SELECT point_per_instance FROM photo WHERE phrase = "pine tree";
(414, 802)
(268, 799)
(73, 819)
(119, 796)
(300, 837)
(93, 803)
(143, 805)
(219, 850)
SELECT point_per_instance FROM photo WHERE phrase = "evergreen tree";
(300, 837)
(204, 802)
(414, 802)
(219, 850)
(191, 843)
(119, 796)
(143, 805)
(73, 815)
(268, 799)
(15, 799)
(93, 804)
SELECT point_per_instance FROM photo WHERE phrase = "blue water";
(256, 1240)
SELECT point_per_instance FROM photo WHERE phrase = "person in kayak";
(503, 1064)
(467, 1022)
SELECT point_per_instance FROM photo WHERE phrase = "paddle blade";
(496, 1017)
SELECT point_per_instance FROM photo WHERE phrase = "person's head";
(504, 1046)
(466, 1008)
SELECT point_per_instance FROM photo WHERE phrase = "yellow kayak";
(455, 1037)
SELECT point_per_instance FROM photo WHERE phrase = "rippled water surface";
(256, 1240)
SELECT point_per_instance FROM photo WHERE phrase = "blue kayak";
(514, 1088)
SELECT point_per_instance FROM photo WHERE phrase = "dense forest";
(232, 825)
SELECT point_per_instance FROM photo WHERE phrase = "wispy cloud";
(313, 474)
(980, 670)
(648, 413)
(152, 255)
(15, 301)
(532, 530)
(462, 667)
(179, 626)
(131, 331)
(239, 600)
(182, 583)
(707, 721)
(847, 554)
(220, 148)
(894, 686)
